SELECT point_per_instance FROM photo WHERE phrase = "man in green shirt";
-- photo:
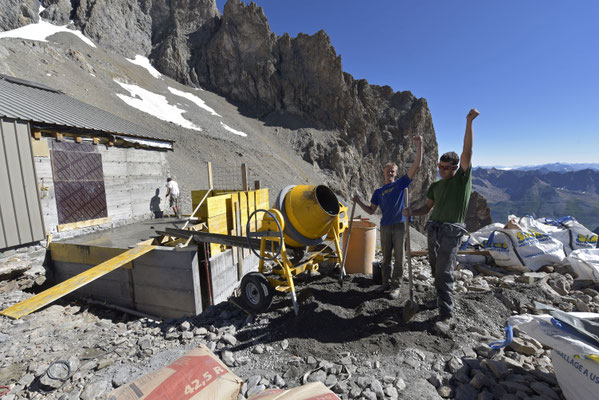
(448, 198)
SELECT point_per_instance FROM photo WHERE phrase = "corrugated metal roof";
(29, 101)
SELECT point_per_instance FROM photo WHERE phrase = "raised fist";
(473, 113)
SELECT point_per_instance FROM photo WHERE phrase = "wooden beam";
(37, 135)
(83, 224)
(96, 140)
(58, 137)
(244, 177)
(78, 139)
(418, 253)
(209, 168)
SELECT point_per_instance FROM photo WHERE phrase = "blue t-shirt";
(390, 198)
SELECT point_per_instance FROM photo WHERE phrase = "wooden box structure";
(227, 211)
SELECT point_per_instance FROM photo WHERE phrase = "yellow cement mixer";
(301, 230)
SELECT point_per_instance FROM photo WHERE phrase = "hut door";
(78, 182)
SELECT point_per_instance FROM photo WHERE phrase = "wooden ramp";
(48, 296)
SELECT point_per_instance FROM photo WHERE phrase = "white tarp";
(576, 373)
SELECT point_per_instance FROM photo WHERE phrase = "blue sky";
(530, 67)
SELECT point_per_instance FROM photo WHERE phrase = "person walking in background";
(390, 197)
(448, 198)
(172, 190)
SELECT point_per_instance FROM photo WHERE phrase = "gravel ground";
(351, 338)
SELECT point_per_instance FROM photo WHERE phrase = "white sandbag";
(578, 376)
(571, 233)
(529, 248)
(501, 247)
(481, 236)
(585, 263)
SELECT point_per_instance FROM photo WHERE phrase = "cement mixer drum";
(308, 211)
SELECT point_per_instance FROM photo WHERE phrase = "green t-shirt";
(451, 197)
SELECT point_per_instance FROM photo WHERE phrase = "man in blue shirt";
(390, 197)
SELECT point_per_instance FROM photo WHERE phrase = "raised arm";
(466, 157)
(425, 209)
(369, 209)
(418, 158)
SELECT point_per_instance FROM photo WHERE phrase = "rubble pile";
(350, 338)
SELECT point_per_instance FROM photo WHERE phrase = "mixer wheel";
(256, 292)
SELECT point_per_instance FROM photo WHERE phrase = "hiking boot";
(444, 324)
(394, 294)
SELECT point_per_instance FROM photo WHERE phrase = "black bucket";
(377, 275)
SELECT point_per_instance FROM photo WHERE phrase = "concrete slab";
(124, 237)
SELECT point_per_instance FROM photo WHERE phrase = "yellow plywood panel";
(216, 249)
(198, 195)
(262, 196)
(83, 254)
(48, 296)
(251, 195)
(214, 205)
(218, 224)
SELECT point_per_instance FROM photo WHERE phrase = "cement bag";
(198, 375)
(501, 247)
(572, 234)
(578, 377)
(531, 246)
(310, 391)
(481, 236)
(585, 263)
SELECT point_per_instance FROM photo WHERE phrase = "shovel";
(410, 308)
(351, 220)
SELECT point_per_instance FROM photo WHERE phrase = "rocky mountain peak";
(345, 126)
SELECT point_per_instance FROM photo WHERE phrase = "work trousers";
(392, 242)
(443, 242)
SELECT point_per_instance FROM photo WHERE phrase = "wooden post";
(78, 139)
(256, 185)
(244, 177)
(96, 140)
(37, 135)
(238, 250)
(209, 169)
(58, 137)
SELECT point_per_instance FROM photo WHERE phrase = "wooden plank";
(244, 177)
(40, 147)
(48, 296)
(418, 253)
(83, 224)
(209, 171)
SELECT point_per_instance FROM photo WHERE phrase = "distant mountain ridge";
(552, 167)
(541, 193)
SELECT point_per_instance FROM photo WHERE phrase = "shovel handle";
(407, 245)
(346, 240)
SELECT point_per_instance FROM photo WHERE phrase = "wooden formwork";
(219, 211)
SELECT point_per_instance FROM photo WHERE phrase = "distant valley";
(541, 192)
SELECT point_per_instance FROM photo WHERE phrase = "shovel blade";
(409, 310)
